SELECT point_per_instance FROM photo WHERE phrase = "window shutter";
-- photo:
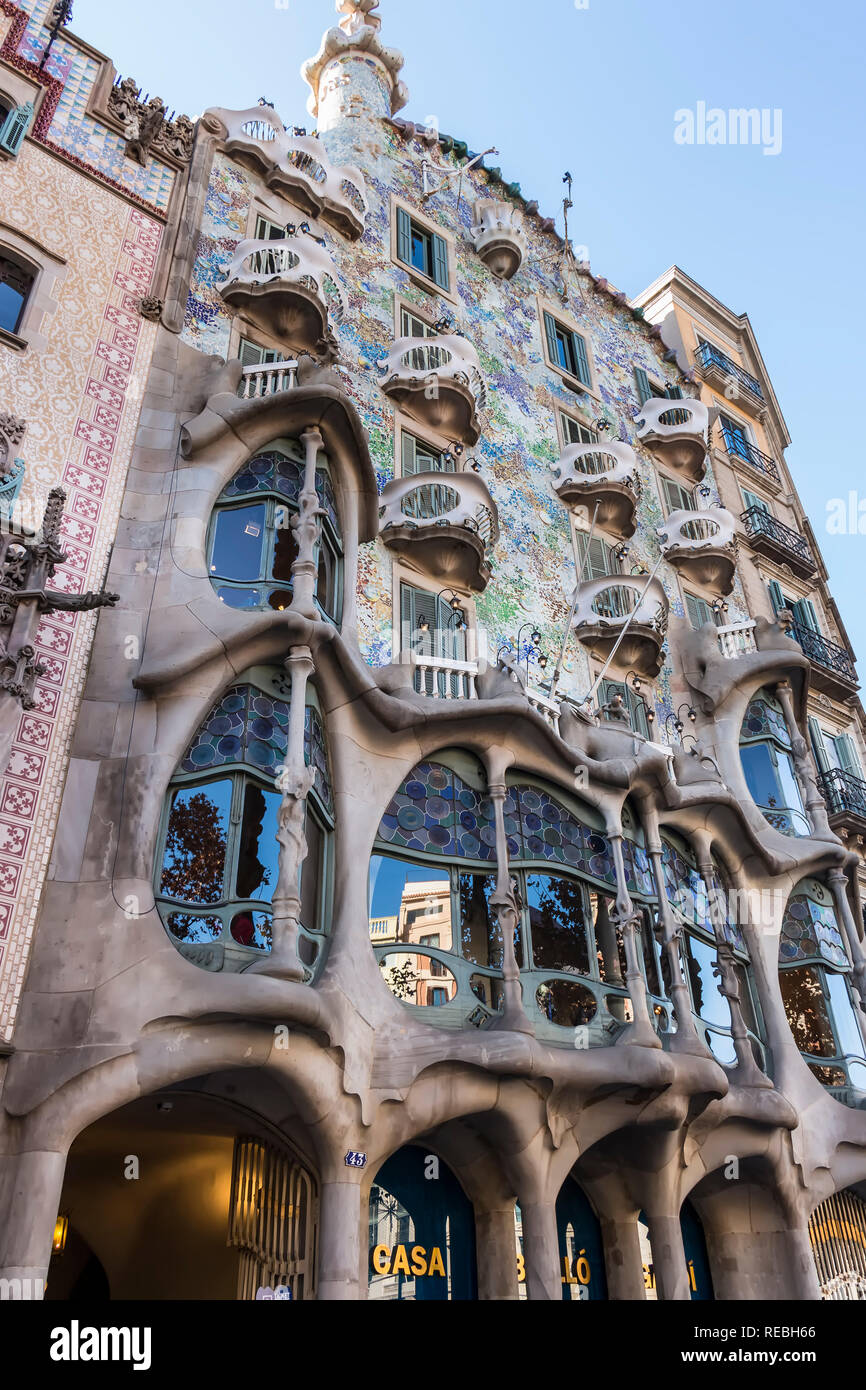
(678, 498)
(550, 330)
(675, 393)
(581, 358)
(440, 262)
(600, 562)
(805, 616)
(753, 500)
(409, 456)
(251, 354)
(15, 127)
(819, 748)
(848, 755)
(777, 598)
(699, 611)
(644, 390)
(404, 237)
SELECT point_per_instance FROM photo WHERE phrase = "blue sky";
(594, 90)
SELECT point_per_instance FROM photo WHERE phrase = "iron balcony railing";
(825, 653)
(844, 793)
(710, 356)
(760, 523)
(741, 448)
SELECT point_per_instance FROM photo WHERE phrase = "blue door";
(695, 1246)
(581, 1251)
(422, 1232)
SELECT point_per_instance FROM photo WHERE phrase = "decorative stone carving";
(605, 474)
(146, 126)
(176, 139)
(150, 307)
(446, 522)
(499, 238)
(614, 603)
(703, 545)
(678, 432)
(438, 382)
(12, 431)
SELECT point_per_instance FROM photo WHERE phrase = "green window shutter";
(677, 497)
(581, 358)
(600, 562)
(251, 354)
(805, 615)
(848, 755)
(404, 237)
(15, 127)
(777, 598)
(819, 748)
(440, 263)
(644, 390)
(699, 611)
(552, 344)
(753, 500)
(409, 458)
(675, 393)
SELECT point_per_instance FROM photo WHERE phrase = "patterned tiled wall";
(80, 397)
(533, 564)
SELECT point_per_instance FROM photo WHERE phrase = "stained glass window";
(810, 931)
(436, 812)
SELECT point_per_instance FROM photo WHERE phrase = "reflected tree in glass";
(195, 846)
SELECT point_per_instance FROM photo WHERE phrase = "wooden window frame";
(426, 224)
(571, 325)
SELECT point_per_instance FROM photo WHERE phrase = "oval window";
(420, 980)
(566, 1003)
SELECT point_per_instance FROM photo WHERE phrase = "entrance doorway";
(422, 1232)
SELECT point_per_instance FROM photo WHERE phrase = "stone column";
(496, 1254)
(342, 1231)
(30, 1189)
(804, 764)
(294, 781)
(686, 1038)
(307, 528)
(541, 1251)
(748, 1071)
(504, 902)
(669, 1258)
(622, 1261)
(839, 888)
(640, 1031)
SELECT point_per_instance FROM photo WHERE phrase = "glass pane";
(238, 543)
(326, 583)
(620, 1007)
(480, 937)
(408, 901)
(609, 945)
(285, 546)
(240, 598)
(311, 875)
(791, 796)
(194, 930)
(761, 777)
(420, 251)
(847, 1027)
(12, 303)
(258, 851)
(722, 1047)
(567, 1003)
(279, 600)
(417, 979)
(709, 1003)
(806, 1008)
(558, 921)
(490, 991)
(391, 1229)
(650, 958)
(252, 929)
(195, 843)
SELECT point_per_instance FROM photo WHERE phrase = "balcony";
(833, 669)
(614, 604)
(702, 545)
(677, 432)
(438, 382)
(268, 380)
(845, 795)
(295, 166)
(449, 527)
(740, 448)
(737, 639)
(499, 239)
(719, 370)
(772, 538)
(607, 475)
(287, 288)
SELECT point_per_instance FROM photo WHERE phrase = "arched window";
(687, 894)
(814, 974)
(17, 278)
(765, 752)
(437, 939)
(422, 1232)
(251, 543)
(218, 856)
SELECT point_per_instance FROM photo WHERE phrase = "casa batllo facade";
(456, 887)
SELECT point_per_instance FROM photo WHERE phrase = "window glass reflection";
(407, 901)
(195, 846)
(567, 1003)
(806, 1008)
(258, 850)
(850, 1037)
(238, 544)
(419, 980)
(709, 1003)
(610, 946)
(312, 876)
(480, 937)
(285, 546)
(558, 922)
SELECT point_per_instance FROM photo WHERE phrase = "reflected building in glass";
(457, 884)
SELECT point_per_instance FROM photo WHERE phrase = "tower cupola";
(353, 75)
